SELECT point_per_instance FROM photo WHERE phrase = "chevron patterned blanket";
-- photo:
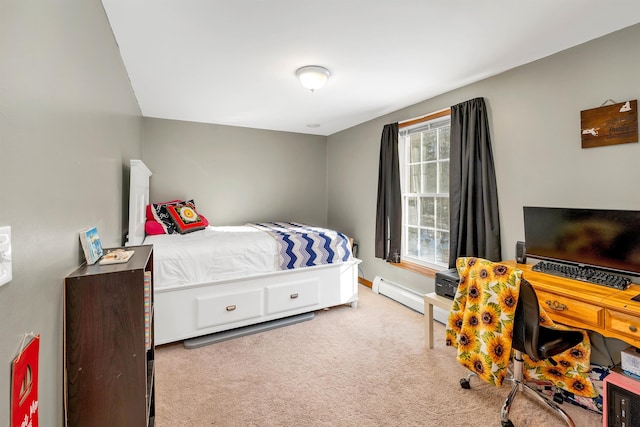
(302, 245)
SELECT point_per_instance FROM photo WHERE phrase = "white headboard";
(138, 201)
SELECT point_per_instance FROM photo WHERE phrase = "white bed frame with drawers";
(198, 309)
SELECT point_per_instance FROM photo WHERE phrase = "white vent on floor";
(406, 296)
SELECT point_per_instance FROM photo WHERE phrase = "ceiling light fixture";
(313, 76)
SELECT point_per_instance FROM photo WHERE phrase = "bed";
(202, 289)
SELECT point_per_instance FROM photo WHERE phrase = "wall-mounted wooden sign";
(610, 124)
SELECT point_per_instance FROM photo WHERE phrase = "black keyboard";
(585, 274)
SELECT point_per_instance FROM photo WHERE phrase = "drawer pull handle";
(632, 328)
(231, 307)
(293, 296)
(555, 305)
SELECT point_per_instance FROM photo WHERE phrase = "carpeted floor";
(366, 366)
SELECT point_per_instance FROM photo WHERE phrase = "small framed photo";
(91, 245)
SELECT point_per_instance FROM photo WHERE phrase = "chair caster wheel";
(464, 383)
(507, 423)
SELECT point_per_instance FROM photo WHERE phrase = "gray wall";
(535, 128)
(69, 122)
(237, 175)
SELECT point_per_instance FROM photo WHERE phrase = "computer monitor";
(600, 238)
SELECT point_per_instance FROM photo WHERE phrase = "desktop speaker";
(521, 253)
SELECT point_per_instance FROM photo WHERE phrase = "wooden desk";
(609, 311)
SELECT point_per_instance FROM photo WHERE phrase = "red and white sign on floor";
(24, 385)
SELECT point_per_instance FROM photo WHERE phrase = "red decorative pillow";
(185, 218)
(153, 227)
(160, 222)
(161, 215)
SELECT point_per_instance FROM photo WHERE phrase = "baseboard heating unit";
(406, 296)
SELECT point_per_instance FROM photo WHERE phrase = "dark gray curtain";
(473, 195)
(389, 208)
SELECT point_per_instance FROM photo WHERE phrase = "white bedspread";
(215, 253)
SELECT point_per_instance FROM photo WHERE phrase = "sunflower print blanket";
(480, 325)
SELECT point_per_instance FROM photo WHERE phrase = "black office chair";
(539, 343)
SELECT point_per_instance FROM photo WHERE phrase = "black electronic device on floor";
(447, 283)
(621, 400)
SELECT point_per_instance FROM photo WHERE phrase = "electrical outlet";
(5, 255)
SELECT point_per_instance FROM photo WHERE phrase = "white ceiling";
(233, 62)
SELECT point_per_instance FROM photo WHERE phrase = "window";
(424, 169)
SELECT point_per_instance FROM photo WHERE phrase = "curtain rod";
(431, 116)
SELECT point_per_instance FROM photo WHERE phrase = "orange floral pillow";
(159, 221)
(186, 218)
